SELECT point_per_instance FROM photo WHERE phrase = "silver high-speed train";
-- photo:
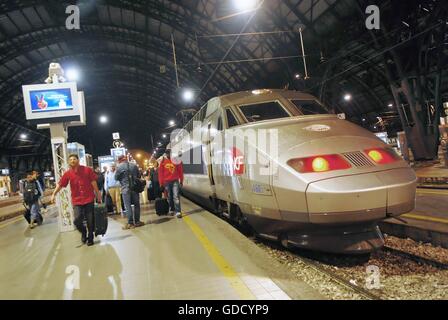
(319, 182)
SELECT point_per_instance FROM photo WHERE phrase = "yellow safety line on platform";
(10, 222)
(225, 267)
(418, 217)
(439, 192)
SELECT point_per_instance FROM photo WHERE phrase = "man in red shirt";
(83, 187)
(171, 177)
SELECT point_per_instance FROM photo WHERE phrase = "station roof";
(124, 52)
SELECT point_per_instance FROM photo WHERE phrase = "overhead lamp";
(243, 5)
(297, 76)
(390, 105)
(72, 74)
(23, 136)
(103, 119)
(164, 136)
(347, 97)
(188, 95)
(171, 123)
(139, 155)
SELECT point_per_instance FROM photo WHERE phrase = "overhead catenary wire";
(243, 60)
(376, 55)
(230, 49)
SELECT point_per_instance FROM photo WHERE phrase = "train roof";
(260, 95)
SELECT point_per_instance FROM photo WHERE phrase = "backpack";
(30, 192)
(135, 184)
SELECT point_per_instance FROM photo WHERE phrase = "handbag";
(135, 184)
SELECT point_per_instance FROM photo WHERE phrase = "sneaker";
(32, 225)
(128, 226)
(178, 215)
(90, 243)
(171, 213)
(83, 238)
(139, 224)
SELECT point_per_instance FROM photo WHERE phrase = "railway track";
(416, 258)
(318, 267)
(339, 280)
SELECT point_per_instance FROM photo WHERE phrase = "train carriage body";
(316, 181)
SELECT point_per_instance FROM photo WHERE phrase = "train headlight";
(321, 163)
(375, 155)
(382, 156)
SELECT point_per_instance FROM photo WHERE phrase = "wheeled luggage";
(162, 206)
(109, 203)
(100, 215)
(27, 216)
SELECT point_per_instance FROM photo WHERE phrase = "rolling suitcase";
(27, 216)
(162, 206)
(109, 203)
(100, 216)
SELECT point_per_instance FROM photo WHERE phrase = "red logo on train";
(237, 162)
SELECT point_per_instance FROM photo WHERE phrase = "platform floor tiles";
(197, 257)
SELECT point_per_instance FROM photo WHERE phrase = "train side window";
(231, 120)
(220, 123)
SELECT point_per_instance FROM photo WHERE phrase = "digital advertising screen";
(54, 102)
(50, 100)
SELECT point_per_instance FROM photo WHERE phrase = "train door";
(208, 152)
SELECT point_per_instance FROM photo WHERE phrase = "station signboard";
(105, 161)
(117, 152)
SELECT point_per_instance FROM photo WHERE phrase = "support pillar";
(63, 199)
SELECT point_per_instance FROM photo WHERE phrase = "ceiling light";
(243, 5)
(103, 119)
(347, 97)
(23, 136)
(188, 95)
(72, 74)
(171, 123)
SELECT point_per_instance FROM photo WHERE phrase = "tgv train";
(318, 182)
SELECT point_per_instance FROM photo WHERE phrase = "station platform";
(428, 222)
(431, 175)
(197, 257)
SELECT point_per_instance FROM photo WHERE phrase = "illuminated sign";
(56, 102)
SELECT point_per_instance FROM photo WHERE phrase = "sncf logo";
(238, 161)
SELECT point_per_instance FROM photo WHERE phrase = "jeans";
(34, 210)
(173, 189)
(134, 198)
(84, 212)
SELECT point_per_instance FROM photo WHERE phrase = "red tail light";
(319, 163)
(382, 156)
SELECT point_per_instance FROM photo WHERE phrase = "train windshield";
(263, 111)
(309, 107)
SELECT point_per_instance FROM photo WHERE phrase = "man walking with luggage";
(83, 187)
(171, 177)
(31, 194)
(125, 172)
(113, 188)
